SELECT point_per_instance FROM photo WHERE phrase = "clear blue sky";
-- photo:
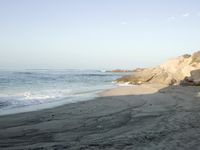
(96, 34)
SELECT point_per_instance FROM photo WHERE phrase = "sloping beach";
(138, 117)
(99, 75)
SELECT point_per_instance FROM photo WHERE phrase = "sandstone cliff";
(184, 69)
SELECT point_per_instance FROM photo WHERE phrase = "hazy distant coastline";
(120, 70)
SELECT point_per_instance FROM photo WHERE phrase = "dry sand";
(147, 117)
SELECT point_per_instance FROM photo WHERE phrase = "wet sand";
(147, 117)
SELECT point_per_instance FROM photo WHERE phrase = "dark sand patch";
(168, 118)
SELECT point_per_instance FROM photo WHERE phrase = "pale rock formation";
(184, 70)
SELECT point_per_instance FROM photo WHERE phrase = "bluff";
(184, 70)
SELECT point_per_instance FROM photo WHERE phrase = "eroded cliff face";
(184, 69)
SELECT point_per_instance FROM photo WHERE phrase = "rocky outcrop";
(184, 70)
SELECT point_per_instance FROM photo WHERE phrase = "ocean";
(31, 90)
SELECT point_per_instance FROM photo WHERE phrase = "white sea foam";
(29, 96)
(47, 94)
(125, 84)
(36, 104)
(103, 70)
(38, 89)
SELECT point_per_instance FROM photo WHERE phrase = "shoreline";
(132, 90)
(50, 105)
(157, 118)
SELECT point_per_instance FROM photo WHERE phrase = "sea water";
(31, 90)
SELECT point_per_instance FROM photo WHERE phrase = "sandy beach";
(99, 75)
(137, 117)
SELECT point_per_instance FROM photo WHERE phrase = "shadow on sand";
(168, 119)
